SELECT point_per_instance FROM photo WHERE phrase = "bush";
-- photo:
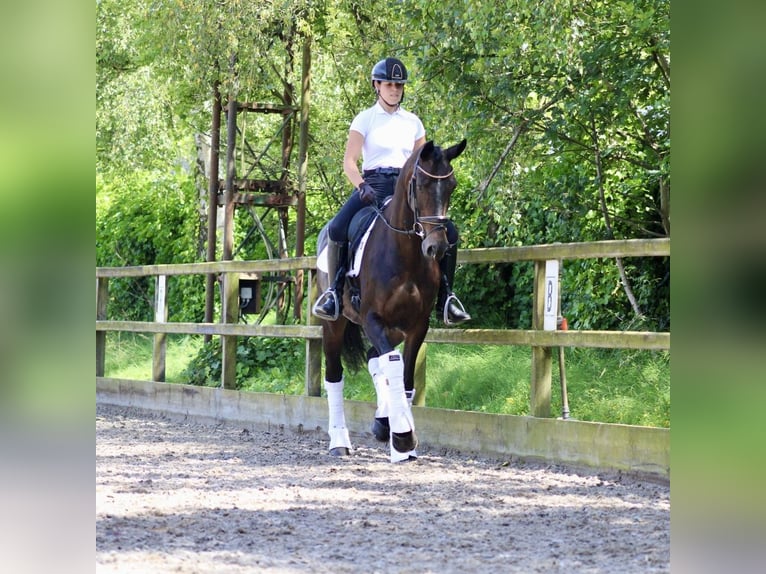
(145, 219)
(262, 363)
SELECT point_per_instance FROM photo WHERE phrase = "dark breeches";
(338, 226)
(382, 183)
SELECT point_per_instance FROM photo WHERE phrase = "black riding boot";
(450, 307)
(328, 305)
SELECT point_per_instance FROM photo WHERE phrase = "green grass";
(129, 356)
(613, 386)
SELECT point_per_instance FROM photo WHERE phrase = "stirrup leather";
(324, 298)
(452, 298)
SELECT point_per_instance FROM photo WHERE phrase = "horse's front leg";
(332, 336)
(391, 365)
(412, 344)
(380, 428)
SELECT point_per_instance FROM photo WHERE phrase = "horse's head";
(430, 187)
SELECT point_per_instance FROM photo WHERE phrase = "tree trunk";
(608, 222)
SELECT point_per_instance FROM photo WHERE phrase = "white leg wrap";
(381, 390)
(399, 413)
(336, 425)
(397, 456)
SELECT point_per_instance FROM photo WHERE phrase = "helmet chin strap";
(395, 106)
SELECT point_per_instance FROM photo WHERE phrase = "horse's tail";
(354, 353)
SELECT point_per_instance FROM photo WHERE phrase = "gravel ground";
(180, 496)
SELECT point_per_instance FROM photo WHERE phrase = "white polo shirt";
(388, 138)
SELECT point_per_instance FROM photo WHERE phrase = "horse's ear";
(454, 151)
(427, 150)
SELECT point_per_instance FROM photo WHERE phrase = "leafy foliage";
(586, 86)
(147, 219)
(263, 364)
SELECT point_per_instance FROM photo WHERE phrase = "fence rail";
(599, 339)
(229, 329)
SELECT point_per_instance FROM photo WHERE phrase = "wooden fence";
(541, 341)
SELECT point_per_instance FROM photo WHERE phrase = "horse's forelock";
(430, 154)
(438, 156)
(435, 157)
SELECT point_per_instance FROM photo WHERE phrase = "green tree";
(565, 106)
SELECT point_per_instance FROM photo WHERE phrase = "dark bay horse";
(391, 299)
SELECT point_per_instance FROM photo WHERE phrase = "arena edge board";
(642, 451)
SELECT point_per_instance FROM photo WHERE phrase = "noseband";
(438, 221)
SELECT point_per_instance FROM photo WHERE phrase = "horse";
(391, 299)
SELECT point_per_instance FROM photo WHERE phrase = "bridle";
(437, 221)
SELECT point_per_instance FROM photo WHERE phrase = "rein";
(417, 226)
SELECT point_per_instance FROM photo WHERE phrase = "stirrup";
(452, 298)
(318, 311)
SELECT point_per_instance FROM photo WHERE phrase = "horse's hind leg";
(340, 442)
(403, 438)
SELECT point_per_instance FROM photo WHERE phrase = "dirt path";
(184, 497)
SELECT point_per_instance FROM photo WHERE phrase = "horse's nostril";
(434, 251)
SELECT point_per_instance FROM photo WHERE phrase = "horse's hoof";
(405, 460)
(412, 457)
(380, 429)
(404, 442)
(340, 451)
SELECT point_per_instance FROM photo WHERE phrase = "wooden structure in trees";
(253, 179)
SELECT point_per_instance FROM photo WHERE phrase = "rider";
(384, 136)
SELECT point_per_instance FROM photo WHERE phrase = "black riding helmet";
(389, 70)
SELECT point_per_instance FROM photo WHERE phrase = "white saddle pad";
(357, 263)
(360, 251)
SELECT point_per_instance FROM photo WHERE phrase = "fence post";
(420, 377)
(102, 299)
(160, 339)
(542, 357)
(313, 346)
(229, 342)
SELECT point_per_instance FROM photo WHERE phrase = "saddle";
(358, 232)
(360, 224)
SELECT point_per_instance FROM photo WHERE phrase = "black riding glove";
(366, 193)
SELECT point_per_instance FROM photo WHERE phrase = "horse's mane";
(409, 165)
